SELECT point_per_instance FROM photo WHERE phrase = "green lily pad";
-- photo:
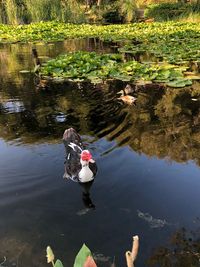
(24, 71)
(179, 83)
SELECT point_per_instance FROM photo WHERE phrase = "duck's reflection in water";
(87, 201)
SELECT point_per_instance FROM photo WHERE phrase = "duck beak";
(91, 161)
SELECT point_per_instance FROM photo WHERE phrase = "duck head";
(86, 157)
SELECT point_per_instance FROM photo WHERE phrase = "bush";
(112, 16)
(170, 11)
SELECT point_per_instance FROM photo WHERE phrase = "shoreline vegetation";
(137, 32)
(17, 12)
(172, 49)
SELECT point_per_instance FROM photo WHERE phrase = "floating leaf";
(193, 77)
(179, 83)
(24, 71)
(141, 82)
(82, 256)
(79, 66)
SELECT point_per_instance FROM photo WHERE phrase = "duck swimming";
(79, 164)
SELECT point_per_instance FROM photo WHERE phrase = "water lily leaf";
(78, 80)
(179, 83)
(124, 78)
(142, 82)
(24, 71)
(162, 80)
(193, 77)
(58, 264)
(58, 79)
(95, 79)
(82, 256)
(57, 70)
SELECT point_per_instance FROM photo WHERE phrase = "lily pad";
(25, 71)
(179, 83)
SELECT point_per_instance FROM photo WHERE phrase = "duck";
(79, 163)
(125, 97)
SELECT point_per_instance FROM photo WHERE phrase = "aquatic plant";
(174, 42)
(84, 257)
(81, 66)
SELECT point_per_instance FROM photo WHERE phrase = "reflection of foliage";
(163, 123)
(184, 251)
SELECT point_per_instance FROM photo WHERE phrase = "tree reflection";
(165, 122)
(183, 251)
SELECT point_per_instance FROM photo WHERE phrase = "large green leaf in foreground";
(82, 256)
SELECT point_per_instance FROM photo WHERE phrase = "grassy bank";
(177, 11)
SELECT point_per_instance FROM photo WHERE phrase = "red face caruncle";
(86, 155)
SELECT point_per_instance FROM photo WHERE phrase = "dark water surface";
(147, 154)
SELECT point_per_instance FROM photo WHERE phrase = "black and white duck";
(79, 164)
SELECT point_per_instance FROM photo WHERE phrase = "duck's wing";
(72, 166)
(72, 141)
(93, 167)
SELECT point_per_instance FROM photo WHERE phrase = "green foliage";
(170, 11)
(82, 256)
(17, 11)
(58, 264)
(175, 43)
(127, 9)
(143, 32)
(112, 14)
(80, 66)
(11, 11)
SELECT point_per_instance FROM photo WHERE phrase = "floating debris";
(100, 257)
(83, 212)
(154, 223)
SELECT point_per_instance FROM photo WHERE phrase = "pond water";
(147, 155)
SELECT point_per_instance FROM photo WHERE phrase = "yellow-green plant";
(83, 258)
(11, 12)
(127, 9)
